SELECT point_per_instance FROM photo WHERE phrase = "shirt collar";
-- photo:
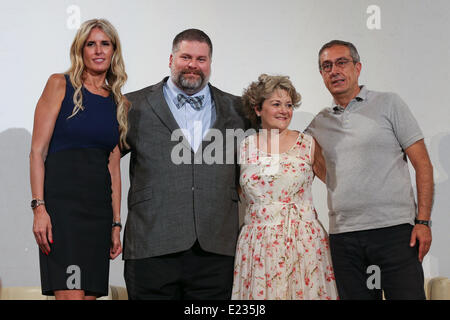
(361, 96)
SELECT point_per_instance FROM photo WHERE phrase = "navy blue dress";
(77, 194)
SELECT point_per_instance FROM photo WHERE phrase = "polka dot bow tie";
(195, 102)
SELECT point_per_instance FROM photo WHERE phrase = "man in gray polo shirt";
(374, 221)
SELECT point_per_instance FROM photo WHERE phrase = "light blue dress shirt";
(194, 123)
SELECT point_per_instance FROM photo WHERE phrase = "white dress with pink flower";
(282, 251)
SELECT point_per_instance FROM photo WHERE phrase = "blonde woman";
(282, 250)
(79, 124)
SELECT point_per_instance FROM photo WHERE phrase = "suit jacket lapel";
(220, 108)
(219, 124)
(158, 103)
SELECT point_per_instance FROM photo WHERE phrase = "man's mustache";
(197, 72)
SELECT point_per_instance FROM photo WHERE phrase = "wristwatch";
(424, 222)
(36, 203)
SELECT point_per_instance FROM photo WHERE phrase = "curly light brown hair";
(258, 91)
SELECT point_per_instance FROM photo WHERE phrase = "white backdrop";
(403, 44)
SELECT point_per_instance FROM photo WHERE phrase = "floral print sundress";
(282, 250)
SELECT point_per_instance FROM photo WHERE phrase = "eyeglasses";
(339, 63)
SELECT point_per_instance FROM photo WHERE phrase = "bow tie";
(195, 102)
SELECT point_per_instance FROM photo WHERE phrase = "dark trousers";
(358, 256)
(190, 275)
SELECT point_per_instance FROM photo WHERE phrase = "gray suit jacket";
(171, 205)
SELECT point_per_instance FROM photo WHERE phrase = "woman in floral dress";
(282, 251)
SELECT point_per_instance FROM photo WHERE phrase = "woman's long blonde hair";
(115, 76)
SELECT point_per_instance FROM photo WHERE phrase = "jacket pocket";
(140, 195)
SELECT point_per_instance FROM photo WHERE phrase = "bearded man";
(183, 221)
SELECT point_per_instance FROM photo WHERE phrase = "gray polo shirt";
(367, 179)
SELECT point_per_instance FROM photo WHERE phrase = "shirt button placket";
(345, 119)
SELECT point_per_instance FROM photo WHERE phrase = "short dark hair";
(192, 35)
(353, 52)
